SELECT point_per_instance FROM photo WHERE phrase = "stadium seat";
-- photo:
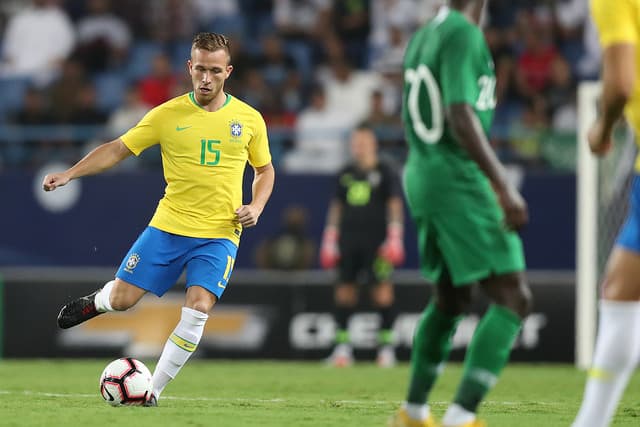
(110, 88)
(13, 90)
(179, 54)
(140, 58)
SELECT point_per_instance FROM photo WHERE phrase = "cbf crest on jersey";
(236, 129)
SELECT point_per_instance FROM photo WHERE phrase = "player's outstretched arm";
(468, 130)
(100, 159)
(261, 191)
(618, 80)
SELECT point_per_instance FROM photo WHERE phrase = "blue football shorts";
(629, 236)
(156, 261)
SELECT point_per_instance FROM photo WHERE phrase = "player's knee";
(454, 305)
(202, 305)
(520, 301)
(346, 295)
(382, 295)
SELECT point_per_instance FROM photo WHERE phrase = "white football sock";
(615, 358)
(179, 347)
(416, 411)
(101, 300)
(456, 415)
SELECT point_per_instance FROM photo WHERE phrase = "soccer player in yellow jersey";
(206, 136)
(617, 350)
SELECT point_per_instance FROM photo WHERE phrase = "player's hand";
(329, 250)
(248, 215)
(392, 249)
(514, 206)
(600, 142)
(55, 180)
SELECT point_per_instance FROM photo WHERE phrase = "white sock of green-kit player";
(101, 300)
(616, 355)
(179, 347)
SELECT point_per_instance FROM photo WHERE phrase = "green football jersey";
(446, 62)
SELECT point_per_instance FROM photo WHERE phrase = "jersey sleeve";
(259, 154)
(143, 135)
(458, 68)
(616, 21)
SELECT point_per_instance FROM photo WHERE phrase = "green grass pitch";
(279, 394)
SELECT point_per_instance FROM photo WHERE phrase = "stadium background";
(116, 59)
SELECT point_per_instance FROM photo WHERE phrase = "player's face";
(363, 145)
(208, 72)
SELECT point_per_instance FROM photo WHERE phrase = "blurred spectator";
(85, 111)
(387, 127)
(589, 64)
(302, 20)
(158, 87)
(392, 55)
(388, 17)
(427, 9)
(103, 38)
(352, 24)
(291, 248)
(273, 61)
(254, 90)
(533, 69)
(525, 135)
(292, 93)
(34, 112)
(560, 97)
(170, 20)
(37, 54)
(348, 90)
(303, 25)
(220, 16)
(127, 115)
(320, 138)
(61, 92)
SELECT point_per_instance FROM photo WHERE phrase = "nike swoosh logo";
(178, 128)
(220, 285)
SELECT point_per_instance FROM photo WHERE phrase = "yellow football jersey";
(204, 155)
(618, 21)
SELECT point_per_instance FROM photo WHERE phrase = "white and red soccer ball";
(126, 381)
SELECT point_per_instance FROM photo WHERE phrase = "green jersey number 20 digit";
(415, 78)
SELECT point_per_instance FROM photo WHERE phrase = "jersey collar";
(192, 97)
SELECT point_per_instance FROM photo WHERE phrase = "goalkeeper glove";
(392, 249)
(329, 251)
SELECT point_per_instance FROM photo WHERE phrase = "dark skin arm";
(468, 131)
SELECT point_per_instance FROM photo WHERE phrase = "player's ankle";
(102, 299)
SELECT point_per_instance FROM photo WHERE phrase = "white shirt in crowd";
(37, 54)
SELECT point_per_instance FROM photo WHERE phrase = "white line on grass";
(275, 400)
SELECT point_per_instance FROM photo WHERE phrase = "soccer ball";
(126, 381)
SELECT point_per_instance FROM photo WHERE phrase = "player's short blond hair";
(211, 42)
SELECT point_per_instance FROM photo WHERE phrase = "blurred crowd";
(313, 68)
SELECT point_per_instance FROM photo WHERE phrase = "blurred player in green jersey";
(465, 210)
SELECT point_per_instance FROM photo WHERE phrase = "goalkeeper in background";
(364, 238)
(466, 213)
(617, 350)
